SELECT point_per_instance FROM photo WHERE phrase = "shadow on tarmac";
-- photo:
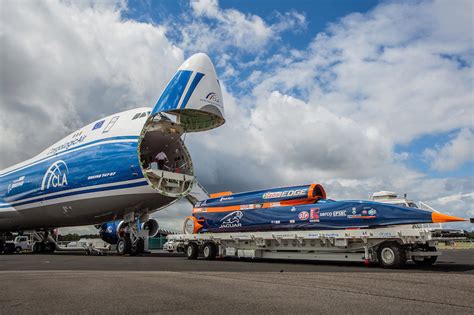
(459, 261)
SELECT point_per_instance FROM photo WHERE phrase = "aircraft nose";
(199, 62)
(441, 218)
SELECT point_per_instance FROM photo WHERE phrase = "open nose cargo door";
(191, 102)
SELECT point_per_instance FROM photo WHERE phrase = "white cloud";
(454, 153)
(334, 112)
(66, 64)
(395, 68)
(212, 28)
(330, 113)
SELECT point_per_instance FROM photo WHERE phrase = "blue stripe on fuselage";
(74, 193)
(107, 163)
(70, 149)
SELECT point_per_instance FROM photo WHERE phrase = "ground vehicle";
(22, 242)
(391, 247)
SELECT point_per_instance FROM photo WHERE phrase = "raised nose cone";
(199, 62)
(193, 95)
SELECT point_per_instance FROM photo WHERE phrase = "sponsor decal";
(337, 213)
(226, 198)
(77, 138)
(258, 205)
(55, 176)
(274, 204)
(286, 193)
(109, 229)
(201, 203)
(275, 221)
(292, 221)
(303, 215)
(293, 209)
(103, 175)
(247, 207)
(212, 97)
(232, 220)
(16, 183)
(98, 124)
(314, 214)
(365, 213)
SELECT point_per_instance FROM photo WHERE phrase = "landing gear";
(133, 237)
(139, 247)
(123, 246)
(44, 244)
(6, 247)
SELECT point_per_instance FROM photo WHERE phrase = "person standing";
(161, 158)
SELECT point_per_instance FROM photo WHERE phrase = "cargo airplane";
(111, 168)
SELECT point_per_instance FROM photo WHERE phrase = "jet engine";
(110, 231)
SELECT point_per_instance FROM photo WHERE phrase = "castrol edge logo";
(286, 193)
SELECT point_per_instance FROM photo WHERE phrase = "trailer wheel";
(391, 255)
(209, 251)
(427, 261)
(192, 251)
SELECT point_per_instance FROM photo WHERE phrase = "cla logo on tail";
(212, 97)
(56, 175)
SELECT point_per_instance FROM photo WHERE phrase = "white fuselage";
(91, 176)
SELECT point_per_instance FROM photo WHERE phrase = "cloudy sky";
(360, 96)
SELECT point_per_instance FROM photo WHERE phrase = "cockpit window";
(136, 116)
(142, 115)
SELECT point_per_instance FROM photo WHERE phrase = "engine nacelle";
(109, 231)
(152, 226)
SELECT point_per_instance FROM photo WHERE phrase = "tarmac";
(169, 283)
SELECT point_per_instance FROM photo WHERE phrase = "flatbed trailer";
(391, 247)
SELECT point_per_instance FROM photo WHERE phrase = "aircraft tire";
(192, 251)
(391, 255)
(123, 246)
(139, 247)
(49, 247)
(209, 251)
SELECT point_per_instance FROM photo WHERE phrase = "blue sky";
(318, 15)
(360, 96)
